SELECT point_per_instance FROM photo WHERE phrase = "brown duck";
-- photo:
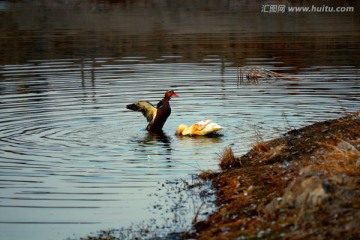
(156, 116)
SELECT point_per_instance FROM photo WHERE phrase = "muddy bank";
(303, 185)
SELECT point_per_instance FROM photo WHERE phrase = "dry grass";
(342, 158)
(228, 159)
(290, 187)
(252, 75)
(260, 144)
(208, 174)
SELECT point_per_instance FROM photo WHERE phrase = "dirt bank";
(305, 185)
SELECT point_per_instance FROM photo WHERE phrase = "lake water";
(74, 160)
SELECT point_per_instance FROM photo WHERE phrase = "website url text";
(305, 9)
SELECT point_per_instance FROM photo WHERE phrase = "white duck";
(204, 127)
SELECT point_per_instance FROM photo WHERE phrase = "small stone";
(357, 163)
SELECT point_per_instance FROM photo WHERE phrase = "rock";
(357, 164)
(304, 191)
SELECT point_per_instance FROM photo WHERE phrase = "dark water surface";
(74, 160)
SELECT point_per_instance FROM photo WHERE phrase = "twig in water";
(287, 123)
(197, 213)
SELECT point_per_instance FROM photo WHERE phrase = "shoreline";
(303, 185)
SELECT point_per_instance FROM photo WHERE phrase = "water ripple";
(67, 142)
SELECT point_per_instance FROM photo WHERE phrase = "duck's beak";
(174, 95)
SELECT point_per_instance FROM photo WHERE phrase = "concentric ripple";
(72, 156)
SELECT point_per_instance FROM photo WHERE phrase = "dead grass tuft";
(228, 160)
(208, 174)
(271, 154)
(342, 158)
(252, 75)
(260, 147)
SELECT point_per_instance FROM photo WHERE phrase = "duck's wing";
(205, 127)
(199, 126)
(160, 103)
(212, 127)
(147, 109)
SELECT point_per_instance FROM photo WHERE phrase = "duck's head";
(170, 93)
(180, 129)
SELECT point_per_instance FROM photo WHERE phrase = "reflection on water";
(72, 153)
(74, 158)
(202, 140)
(158, 137)
(191, 30)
